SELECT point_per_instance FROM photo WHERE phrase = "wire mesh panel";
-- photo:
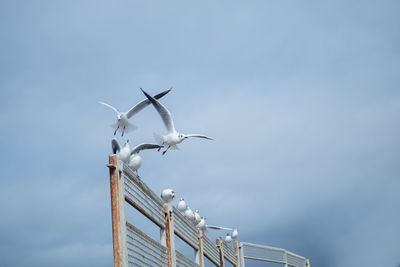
(210, 250)
(185, 230)
(142, 198)
(296, 260)
(182, 261)
(229, 253)
(257, 252)
(144, 251)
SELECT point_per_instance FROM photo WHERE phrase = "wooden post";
(237, 253)
(115, 210)
(221, 253)
(199, 252)
(169, 236)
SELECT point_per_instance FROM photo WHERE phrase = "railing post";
(221, 253)
(308, 263)
(241, 255)
(169, 235)
(117, 213)
(237, 253)
(199, 256)
(285, 258)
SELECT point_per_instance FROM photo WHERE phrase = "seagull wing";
(143, 147)
(107, 105)
(218, 227)
(199, 136)
(115, 146)
(163, 111)
(142, 104)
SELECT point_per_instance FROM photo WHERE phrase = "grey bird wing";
(140, 147)
(199, 136)
(115, 146)
(142, 104)
(163, 111)
(107, 105)
(218, 227)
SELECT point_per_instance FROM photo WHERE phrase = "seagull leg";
(162, 145)
(123, 131)
(166, 150)
(116, 130)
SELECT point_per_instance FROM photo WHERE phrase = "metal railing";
(132, 247)
(270, 254)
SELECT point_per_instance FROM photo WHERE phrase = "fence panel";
(296, 260)
(144, 251)
(211, 251)
(229, 253)
(185, 230)
(182, 261)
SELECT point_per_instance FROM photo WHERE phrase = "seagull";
(202, 224)
(235, 233)
(173, 137)
(167, 195)
(228, 238)
(197, 217)
(131, 156)
(122, 154)
(189, 214)
(181, 205)
(123, 117)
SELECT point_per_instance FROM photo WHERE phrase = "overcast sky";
(302, 98)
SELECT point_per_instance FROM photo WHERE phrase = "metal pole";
(237, 254)
(199, 253)
(221, 252)
(115, 210)
(241, 255)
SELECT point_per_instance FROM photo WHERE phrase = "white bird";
(135, 161)
(122, 154)
(189, 214)
(125, 154)
(197, 217)
(202, 224)
(123, 117)
(167, 195)
(228, 238)
(172, 138)
(235, 233)
(181, 206)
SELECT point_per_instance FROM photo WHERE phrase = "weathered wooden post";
(221, 252)
(117, 213)
(169, 235)
(199, 253)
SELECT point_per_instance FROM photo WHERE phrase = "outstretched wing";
(142, 104)
(107, 105)
(163, 111)
(140, 147)
(115, 146)
(218, 227)
(199, 136)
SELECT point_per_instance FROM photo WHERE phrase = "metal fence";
(270, 254)
(132, 247)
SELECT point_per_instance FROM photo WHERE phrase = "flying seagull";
(234, 234)
(131, 156)
(123, 117)
(172, 138)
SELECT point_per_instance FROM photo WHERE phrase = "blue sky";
(302, 98)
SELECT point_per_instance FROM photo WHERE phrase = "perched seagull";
(173, 137)
(235, 233)
(167, 195)
(181, 205)
(202, 224)
(228, 238)
(123, 117)
(189, 214)
(122, 154)
(131, 156)
(197, 217)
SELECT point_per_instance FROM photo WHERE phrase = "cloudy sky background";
(302, 98)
